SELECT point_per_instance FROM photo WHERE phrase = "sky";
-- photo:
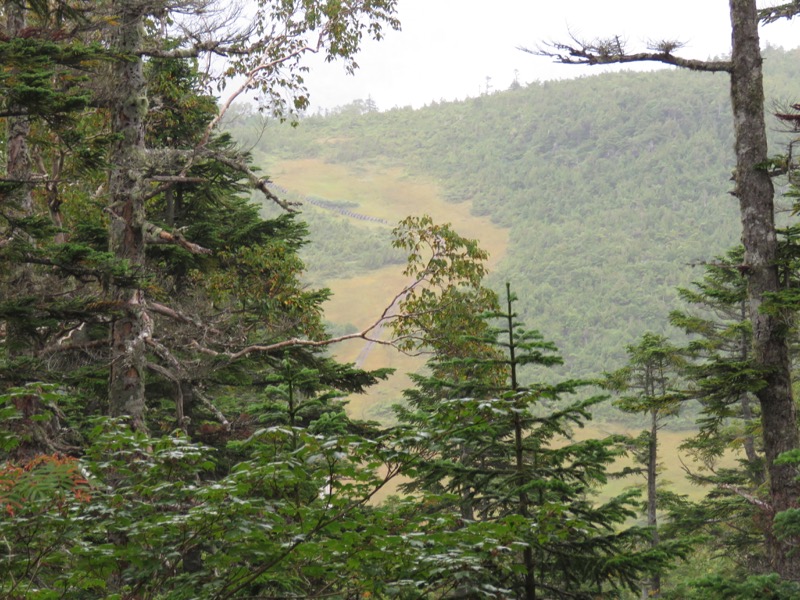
(448, 48)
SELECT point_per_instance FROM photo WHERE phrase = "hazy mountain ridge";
(611, 186)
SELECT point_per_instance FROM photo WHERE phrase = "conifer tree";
(721, 372)
(648, 384)
(530, 483)
(133, 163)
(755, 192)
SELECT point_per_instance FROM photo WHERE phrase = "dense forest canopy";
(172, 423)
(614, 192)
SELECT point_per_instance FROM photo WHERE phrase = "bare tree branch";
(177, 179)
(368, 334)
(613, 51)
(739, 491)
(259, 183)
(75, 346)
(751, 498)
(177, 315)
(163, 371)
(210, 406)
(290, 343)
(193, 51)
(157, 235)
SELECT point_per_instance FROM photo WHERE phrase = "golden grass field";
(392, 194)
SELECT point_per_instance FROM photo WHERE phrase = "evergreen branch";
(259, 183)
(782, 11)
(751, 498)
(739, 491)
(720, 265)
(324, 521)
(79, 272)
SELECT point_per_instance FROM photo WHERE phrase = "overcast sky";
(447, 48)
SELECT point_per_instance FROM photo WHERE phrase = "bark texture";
(654, 586)
(19, 200)
(129, 333)
(770, 348)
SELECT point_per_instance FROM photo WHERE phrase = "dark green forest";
(173, 422)
(615, 188)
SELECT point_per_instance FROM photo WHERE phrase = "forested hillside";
(612, 186)
(176, 418)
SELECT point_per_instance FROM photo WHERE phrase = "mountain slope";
(611, 187)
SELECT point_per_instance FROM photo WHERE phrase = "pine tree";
(133, 165)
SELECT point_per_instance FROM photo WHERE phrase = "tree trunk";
(749, 444)
(126, 209)
(20, 198)
(527, 553)
(652, 502)
(770, 349)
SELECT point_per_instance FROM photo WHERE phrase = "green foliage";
(757, 587)
(446, 295)
(278, 500)
(338, 248)
(607, 202)
(152, 521)
(501, 460)
(721, 373)
(787, 523)
(46, 76)
(648, 382)
(334, 27)
(648, 385)
(310, 398)
(721, 376)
